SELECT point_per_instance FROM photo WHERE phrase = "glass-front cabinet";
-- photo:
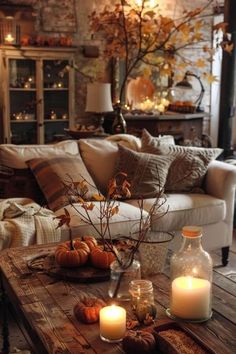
(37, 94)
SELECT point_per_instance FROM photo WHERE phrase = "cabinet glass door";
(56, 99)
(22, 101)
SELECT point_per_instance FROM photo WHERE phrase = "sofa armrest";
(220, 180)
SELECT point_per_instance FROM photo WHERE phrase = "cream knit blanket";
(24, 222)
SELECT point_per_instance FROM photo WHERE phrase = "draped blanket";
(24, 222)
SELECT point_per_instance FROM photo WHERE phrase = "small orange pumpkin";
(87, 310)
(101, 258)
(75, 257)
(90, 241)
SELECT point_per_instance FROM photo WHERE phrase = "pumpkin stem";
(71, 240)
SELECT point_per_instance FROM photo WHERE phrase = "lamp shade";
(98, 98)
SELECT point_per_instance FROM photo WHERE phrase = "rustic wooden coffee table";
(45, 307)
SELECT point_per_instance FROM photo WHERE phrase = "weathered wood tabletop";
(45, 306)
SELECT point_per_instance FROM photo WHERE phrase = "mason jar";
(191, 279)
(142, 299)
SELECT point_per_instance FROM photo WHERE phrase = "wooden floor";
(19, 344)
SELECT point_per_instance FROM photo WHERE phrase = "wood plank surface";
(46, 307)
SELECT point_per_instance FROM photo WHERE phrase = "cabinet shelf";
(23, 121)
(22, 89)
(55, 120)
(56, 89)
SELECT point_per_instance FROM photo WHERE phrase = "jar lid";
(141, 285)
(191, 231)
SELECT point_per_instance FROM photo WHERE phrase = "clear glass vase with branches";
(124, 247)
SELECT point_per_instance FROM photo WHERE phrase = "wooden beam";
(228, 83)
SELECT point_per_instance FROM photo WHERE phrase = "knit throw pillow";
(50, 174)
(188, 169)
(145, 172)
(149, 142)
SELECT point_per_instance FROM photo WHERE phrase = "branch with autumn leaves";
(138, 34)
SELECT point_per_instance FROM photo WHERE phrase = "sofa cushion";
(186, 209)
(20, 183)
(187, 171)
(50, 174)
(121, 224)
(16, 178)
(146, 173)
(15, 156)
(100, 155)
(148, 140)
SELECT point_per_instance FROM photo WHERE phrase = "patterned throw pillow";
(51, 172)
(146, 172)
(187, 171)
(150, 142)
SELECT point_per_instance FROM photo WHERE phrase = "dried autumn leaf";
(220, 26)
(210, 78)
(64, 219)
(115, 210)
(195, 12)
(200, 63)
(228, 47)
(88, 206)
(98, 197)
(185, 29)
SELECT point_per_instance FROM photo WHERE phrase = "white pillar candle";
(191, 298)
(112, 323)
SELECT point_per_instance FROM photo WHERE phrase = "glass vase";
(119, 125)
(191, 279)
(120, 279)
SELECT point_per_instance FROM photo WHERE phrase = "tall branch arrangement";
(106, 208)
(138, 33)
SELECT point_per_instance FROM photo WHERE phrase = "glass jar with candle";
(191, 279)
(142, 298)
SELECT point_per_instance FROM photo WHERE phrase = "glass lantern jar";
(191, 279)
(142, 299)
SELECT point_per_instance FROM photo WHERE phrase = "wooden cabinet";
(182, 126)
(37, 94)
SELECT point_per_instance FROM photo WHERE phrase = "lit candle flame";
(9, 38)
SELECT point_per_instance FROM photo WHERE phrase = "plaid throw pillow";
(50, 173)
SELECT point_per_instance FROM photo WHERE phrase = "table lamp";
(185, 84)
(98, 101)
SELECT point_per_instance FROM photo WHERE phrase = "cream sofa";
(213, 210)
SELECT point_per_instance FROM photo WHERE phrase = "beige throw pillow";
(146, 172)
(187, 171)
(50, 173)
(100, 155)
(149, 142)
(15, 156)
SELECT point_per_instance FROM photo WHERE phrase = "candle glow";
(190, 297)
(9, 38)
(112, 323)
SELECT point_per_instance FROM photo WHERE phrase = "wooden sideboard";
(183, 126)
